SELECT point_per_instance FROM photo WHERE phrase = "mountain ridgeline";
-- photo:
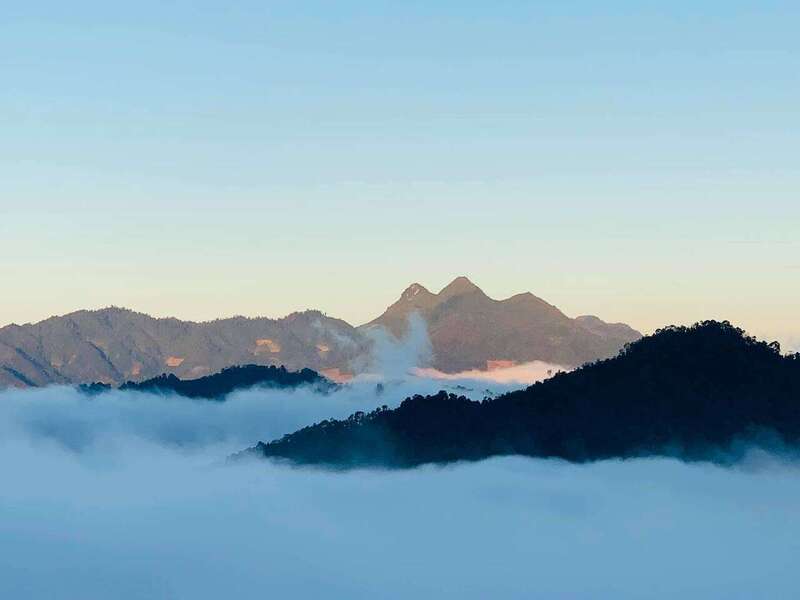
(116, 345)
(219, 385)
(695, 393)
(468, 330)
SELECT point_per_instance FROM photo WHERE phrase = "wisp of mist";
(127, 495)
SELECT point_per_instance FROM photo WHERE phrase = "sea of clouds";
(129, 496)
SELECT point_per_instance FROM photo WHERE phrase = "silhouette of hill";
(689, 392)
(219, 385)
(469, 330)
(115, 345)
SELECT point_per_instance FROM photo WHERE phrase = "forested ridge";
(693, 392)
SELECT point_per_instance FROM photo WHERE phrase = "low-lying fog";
(126, 495)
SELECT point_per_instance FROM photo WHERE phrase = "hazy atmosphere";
(403, 300)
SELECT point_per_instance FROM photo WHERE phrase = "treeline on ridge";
(219, 385)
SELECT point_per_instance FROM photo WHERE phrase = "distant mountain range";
(115, 345)
(468, 330)
(700, 393)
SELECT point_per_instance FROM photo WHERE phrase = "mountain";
(695, 393)
(470, 330)
(219, 385)
(116, 345)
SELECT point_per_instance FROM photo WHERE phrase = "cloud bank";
(79, 422)
(395, 358)
(522, 374)
(128, 496)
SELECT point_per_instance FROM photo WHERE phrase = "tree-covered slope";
(219, 385)
(693, 392)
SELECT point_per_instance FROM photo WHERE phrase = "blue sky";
(637, 160)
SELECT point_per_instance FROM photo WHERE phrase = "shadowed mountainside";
(115, 345)
(219, 385)
(470, 330)
(689, 392)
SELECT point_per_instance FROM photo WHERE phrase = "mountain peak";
(415, 289)
(459, 285)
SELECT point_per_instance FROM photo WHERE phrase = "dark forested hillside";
(220, 384)
(691, 392)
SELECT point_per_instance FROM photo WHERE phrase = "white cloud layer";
(523, 374)
(127, 496)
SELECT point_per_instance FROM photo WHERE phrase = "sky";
(633, 160)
